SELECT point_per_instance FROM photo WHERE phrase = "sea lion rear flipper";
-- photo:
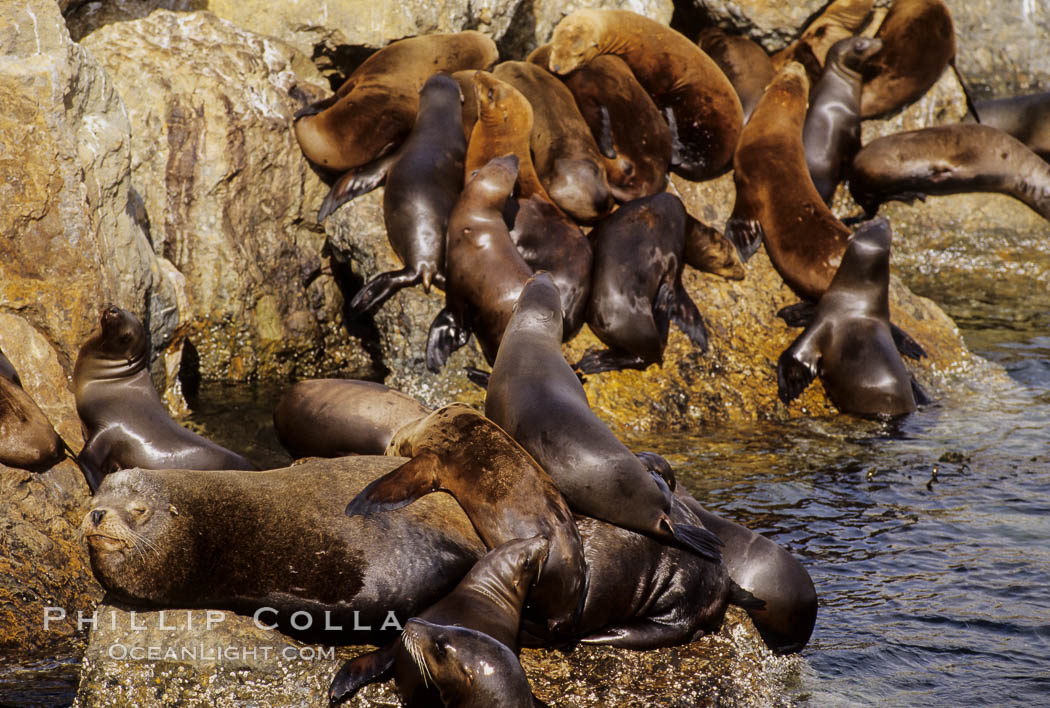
(905, 344)
(663, 304)
(745, 234)
(412, 480)
(644, 634)
(478, 377)
(379, 289)
(798, 315)
(595, 362)
(354, 183)
(797, 367)
(446, 335)
(604, 137)
(687, 317)
(361, 671)
(919, 393)
(743, 598)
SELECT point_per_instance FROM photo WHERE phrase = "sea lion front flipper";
(663, 304)
(354, 183)
(644, 634)
(687, 317)
(919, 393)
(798, 315)
(361, 671)
(604, 137)
(906, 345)
(596, 362)
(447, 334)
(397, 488)
(91, 460)
(745, 234)
(478, 377)
(797, 367)
(379, 289)
(744, 598)
(699, 540)
(658, 466)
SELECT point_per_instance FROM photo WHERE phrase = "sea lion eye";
(491, 94)
(138, 510)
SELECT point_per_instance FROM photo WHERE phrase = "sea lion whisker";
(416, 652)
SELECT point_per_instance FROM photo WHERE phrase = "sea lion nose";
(97, 515)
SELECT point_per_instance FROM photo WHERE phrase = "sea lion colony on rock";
(369, 131)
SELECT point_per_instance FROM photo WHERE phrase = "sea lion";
(469, 109)
(563, 150)
(949, 159)
(483, 270)
(831, 133)
(125, 422)
(1027, 118)
(631, 133)
(535, 396)
(700, 105)
(636, 287)
(709, 251)
(422, 185)
(488, 600)
(849, 343)
(374, 109)
(839, 20)
(27, 438)
(918, 42)
(744, 62)
(776, 201)
(337, 417)
(503, 491)
(277, 539)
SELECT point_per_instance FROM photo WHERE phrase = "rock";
(230, 200)
(85, 16)
(772, 23)
(1001, 45)
(245, 665)
(69, 243)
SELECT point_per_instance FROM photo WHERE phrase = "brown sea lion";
(849, 343)
(483, 270)
(1027, 118)
(918, 42)
(488, 601)
(696, 98)
(839, 20)
(831, 133)
(563, 150)
(27, 438)
(278, 539)
(535, 396)
(631, 133)
(949, 159)
(709, 251)
(776, 201)
(636, 287)
(375, 108)
(469, 109)
(337, 417)
(745, 63)
(503, 491)
(125, 421)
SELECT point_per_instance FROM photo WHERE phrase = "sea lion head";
(580, 187)
(440, 92)
(117, 348)
(499, 102)
(574, 42)
(133, 533)
(519, 561)
(866, 263)
(495, 181)
(539, 304)
(468, 667)
(851, 53)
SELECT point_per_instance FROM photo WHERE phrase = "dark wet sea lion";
(744, 62)
(700, 104)
(125, 421)
(280, 539)
(535, 396)
(27, 438)
(831, 133)
(422, 185)
(849, 343)
(503, 491)
(337, 417)
(488, 600)
(373, 111)
(776, 201)
(949, 159)
(918, 42)
(636, 287)
(709, 251)
(1027, 118)
(483, 270)
(563, 150)
(631, 134)
(839, 20)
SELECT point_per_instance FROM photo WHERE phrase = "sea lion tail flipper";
(906, 345)
(361, 671)
(378, 290)
(687, 317)
(798, 315)
(745, 234)
(743, 598)
(478, 377)
(697, 539)
(796, 369)
(355, 182)
(919, 393)
(604, 138)
(447, 334)
(397, 488)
